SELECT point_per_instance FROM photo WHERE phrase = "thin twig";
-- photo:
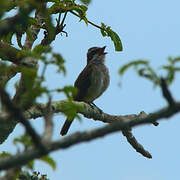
(135, 144)
(62, 22)
(95, 25)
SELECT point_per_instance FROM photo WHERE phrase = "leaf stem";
(95, 25)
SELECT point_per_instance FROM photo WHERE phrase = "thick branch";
(77, 138)
(16, 112)
(10, 53)
(8, 73)
(36, 111)
(82, 108)
(9, 24)
(21, 18)
(7, 125)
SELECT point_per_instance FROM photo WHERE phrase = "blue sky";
(148, 30)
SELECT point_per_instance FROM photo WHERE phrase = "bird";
(91, 82)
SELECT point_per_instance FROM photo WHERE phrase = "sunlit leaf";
(69, 91)
(49, 160)
(24, 139)
(70, 109)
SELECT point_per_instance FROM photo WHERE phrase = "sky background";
(148, 30)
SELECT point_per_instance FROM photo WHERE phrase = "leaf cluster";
(143, 68)
(28, 18)
(107, 31)
(24, 143)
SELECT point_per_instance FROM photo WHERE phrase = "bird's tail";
(66, 126)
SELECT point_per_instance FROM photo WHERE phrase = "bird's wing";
(83, 83)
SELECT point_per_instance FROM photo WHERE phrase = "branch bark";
(119, 125)
(16, 112)
(7, 52)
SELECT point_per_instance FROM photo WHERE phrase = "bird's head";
(96, 54)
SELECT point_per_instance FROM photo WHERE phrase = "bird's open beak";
(101, 51)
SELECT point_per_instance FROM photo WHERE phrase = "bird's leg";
(93, 105)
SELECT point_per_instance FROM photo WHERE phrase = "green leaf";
(5, 5)
(30, 164)
(32, 85)
(49, 160)
(40, 49)
(7, 38)
(116, 40)
(81, 10)
(103, 31)
(59, 61)
(171, 68)
(69, 91)
(176, 59)
(24, 139)
(5, 154)
(84, 8)
(107, 31)
(143, 69)
(86, 2)
(85, 20)
(150, 74)
(132, 64)
(70, 109)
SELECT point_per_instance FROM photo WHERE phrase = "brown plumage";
(91, 82)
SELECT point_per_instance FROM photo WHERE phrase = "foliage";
(143, 68)
(86, 2)
(49, 17)
(35, 176)
(57, 6)
(107, 31)
(28, 55)
(26, 143)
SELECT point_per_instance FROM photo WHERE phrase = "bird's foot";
(94, 106)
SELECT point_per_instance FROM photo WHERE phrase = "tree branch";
(21, 18)
(34, 28)
(166, 93)
(134, 143)
(78, 137)
(16, 112)
(10, 53)
(37, 110)
(8, 73)
(9, 24)
(83, 108)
